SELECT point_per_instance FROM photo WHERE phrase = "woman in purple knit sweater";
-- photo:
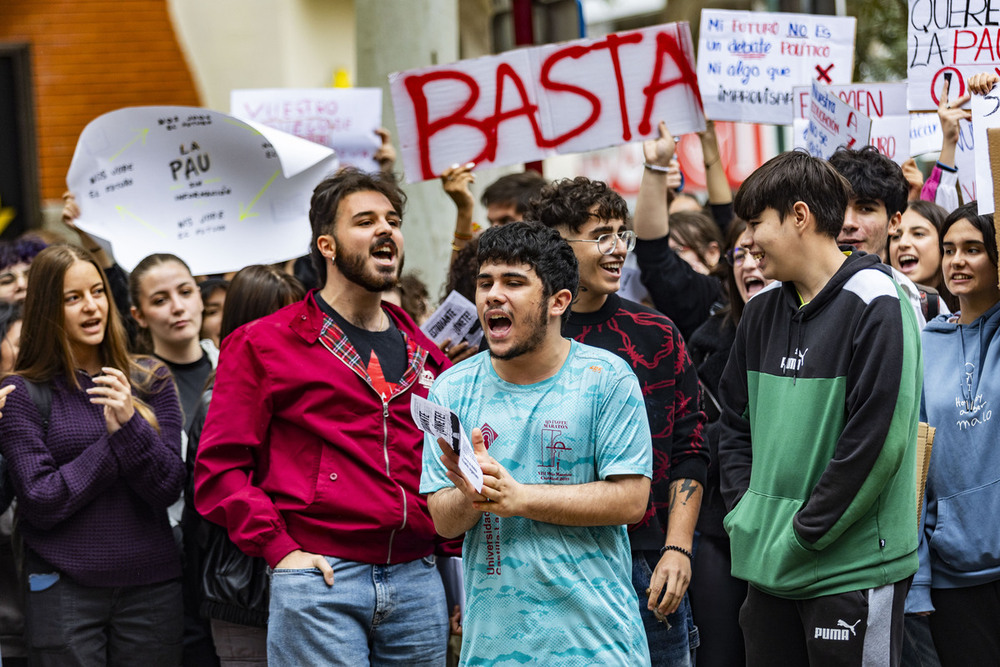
(93, 477)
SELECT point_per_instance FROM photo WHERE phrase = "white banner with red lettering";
(533, 103)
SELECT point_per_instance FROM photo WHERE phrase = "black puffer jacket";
(229, 585)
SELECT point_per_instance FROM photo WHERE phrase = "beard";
(537, 328)
(355, 268)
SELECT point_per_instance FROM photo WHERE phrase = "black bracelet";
(671, 547)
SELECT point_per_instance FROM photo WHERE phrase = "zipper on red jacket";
(400, 389)
(385, 451)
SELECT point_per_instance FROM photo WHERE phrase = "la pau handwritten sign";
(748, 62)
(943, 36)
(883, 103)
(218, 192)
(532, 103)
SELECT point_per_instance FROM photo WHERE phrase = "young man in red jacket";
(310, 458)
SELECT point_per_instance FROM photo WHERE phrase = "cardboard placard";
(944, 36)
(216, 191)
(344, 119)
(884, 103)
(533, 103)
(833, 123)
(748, 62)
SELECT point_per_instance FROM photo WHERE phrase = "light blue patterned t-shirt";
(538, 592)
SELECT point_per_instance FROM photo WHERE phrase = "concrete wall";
(264, 44)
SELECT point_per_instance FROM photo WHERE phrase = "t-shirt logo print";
(554, 452)
(489, 435)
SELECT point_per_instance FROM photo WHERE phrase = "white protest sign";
(985, 115)
(344, 119)
(455, 319)
(833, 123)
(440, 422)
(942, 37)
(532, 103)
(884, 103)
(211, 189)
(748, 62)
(926, 137)
(925, 133)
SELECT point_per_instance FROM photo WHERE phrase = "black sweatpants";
(966, 624)
(851, 629)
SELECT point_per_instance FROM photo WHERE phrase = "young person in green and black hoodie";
(592, 218)
(818, 451)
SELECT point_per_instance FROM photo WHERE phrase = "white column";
(392, 36)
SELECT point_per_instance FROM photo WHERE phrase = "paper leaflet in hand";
(440, 422)
(454, 319)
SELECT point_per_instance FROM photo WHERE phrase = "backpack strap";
(41, 396)
(930, 302)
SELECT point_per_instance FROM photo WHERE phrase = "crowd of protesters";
(207, 470)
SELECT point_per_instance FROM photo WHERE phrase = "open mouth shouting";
(498, 324)
(385, 253)
(753, 284)
(908, 263)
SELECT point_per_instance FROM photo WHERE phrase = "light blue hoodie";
(960, 540)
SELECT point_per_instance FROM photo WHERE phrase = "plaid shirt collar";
(333, 338)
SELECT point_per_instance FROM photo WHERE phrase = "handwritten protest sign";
(440, 422)
(216, 191)
(884, 103)
(985, 115)
(833, 123)
(344, 119)
(945, 36)
(748, 62)
(926, 137)
(532, 103)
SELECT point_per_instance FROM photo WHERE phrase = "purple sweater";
(94, 506)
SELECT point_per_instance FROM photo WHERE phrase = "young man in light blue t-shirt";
(546, 556)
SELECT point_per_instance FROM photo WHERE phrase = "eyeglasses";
(736, 256)
(607, 243)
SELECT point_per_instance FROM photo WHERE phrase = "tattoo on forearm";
(682, 491)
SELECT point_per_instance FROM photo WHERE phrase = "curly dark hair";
(792, 177)
(873, 177)
(463, 271)
(326, 200)
(541, 248)
(568, 203)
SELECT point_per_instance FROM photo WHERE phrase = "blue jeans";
(671, 644)
(373, 614)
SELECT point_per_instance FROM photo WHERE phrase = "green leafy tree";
(880, 44)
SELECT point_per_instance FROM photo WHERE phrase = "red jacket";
(300, 452)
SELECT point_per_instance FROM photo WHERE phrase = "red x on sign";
(824, 74)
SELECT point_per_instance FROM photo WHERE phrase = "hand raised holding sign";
(982, 83)
(949, 114)
(659, 151)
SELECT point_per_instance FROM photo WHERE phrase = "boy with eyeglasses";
(592, 218)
